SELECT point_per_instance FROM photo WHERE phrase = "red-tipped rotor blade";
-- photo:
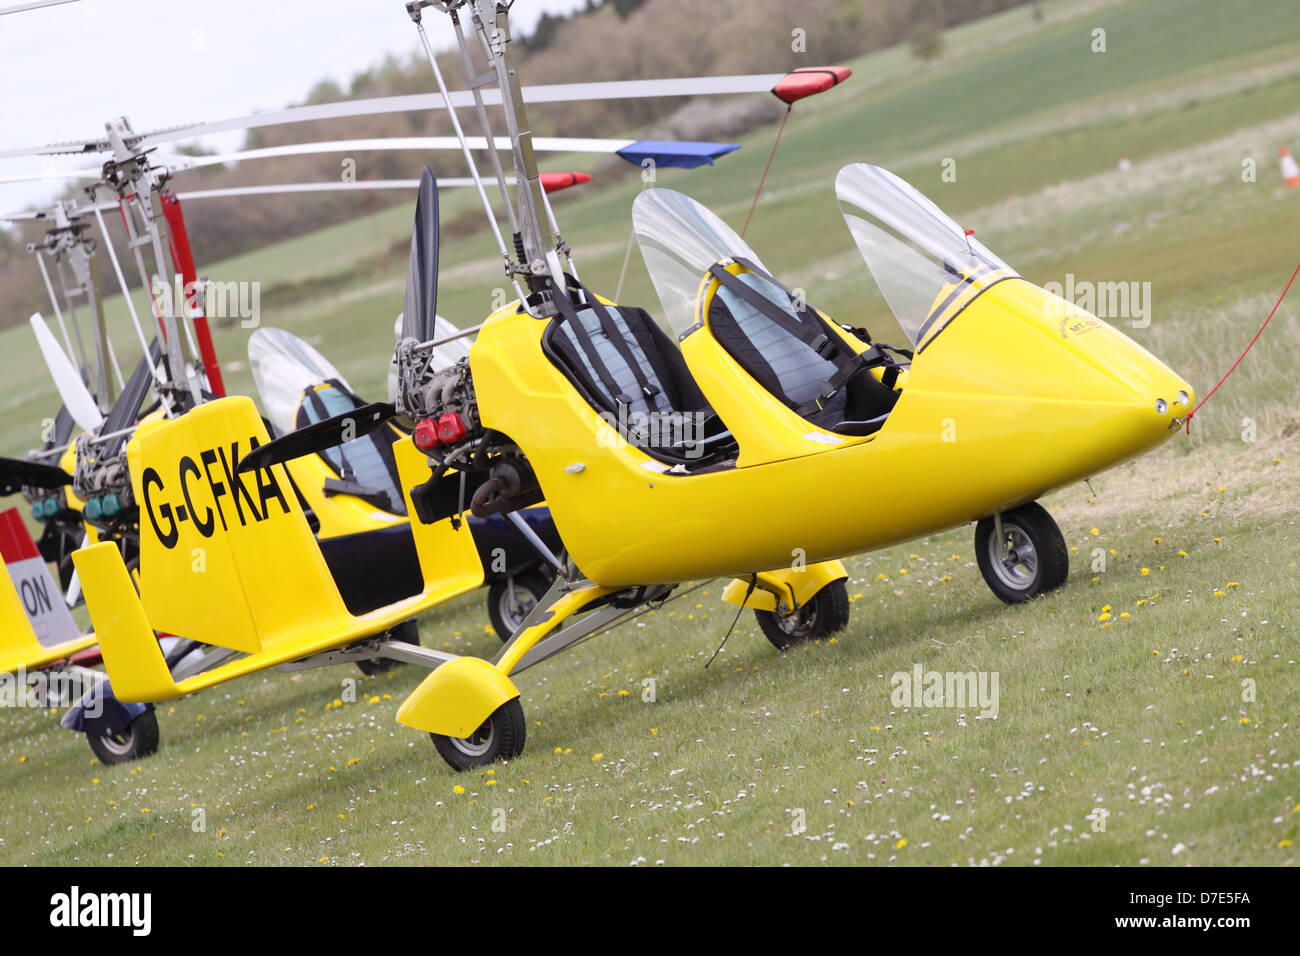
(552, 182)
(808, 81)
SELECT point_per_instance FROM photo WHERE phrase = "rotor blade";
(462, 99)
(550, 182)
(319, 436)
(73, 391)
(420, 309)
(32, 5)
(17, 472)
(546, 144)
(177, 162)
(32, 215)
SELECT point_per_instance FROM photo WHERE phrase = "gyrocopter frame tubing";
(529, 257)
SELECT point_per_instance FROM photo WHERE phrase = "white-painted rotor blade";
(32, 5)
(53, 177)
(73, 391)
(276, 188)
(545, 144)
(177, 162)
(460, 99)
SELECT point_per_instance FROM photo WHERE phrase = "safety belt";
(570, 315)
(806, 329)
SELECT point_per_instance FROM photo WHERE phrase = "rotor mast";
(531, 257)
(139, 188)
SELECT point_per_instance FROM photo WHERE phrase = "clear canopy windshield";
(680, 240)
(284, 366)
(927, 267)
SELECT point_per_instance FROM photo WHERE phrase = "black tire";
(499, 738)
(408, 632)
(139, 740)
(826, 613)
(529, 588)
(1038, 560)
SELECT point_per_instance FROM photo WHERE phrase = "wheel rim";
(477, 745)
(798, 623)
(119, 745)
(1014, 560)
(514, 612)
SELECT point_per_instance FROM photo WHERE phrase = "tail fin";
(225, 558)
(35, 624)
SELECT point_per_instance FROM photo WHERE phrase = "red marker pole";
(183, 260)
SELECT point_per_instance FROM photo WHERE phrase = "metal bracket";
(997, 529)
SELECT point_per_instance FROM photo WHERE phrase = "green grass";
(1141, 715)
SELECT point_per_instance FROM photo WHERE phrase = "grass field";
(1161, 688)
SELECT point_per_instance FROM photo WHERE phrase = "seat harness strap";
(806, 328)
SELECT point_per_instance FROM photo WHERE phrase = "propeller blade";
(319, 436)
(419, 312)
(76, 397)
(17, 472)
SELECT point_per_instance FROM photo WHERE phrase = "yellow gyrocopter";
(768, 433)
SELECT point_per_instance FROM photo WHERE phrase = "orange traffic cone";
(1290, 171)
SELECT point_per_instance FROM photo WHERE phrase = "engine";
(102, 480)
(440, 402)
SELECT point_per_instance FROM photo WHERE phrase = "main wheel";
(1031, 559)
(508, 605)
(823, 615)
(408, 632)
(499, 738)
(140, 739)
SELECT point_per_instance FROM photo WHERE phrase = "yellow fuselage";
(1018, 395)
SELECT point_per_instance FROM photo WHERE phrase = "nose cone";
(1071, 394)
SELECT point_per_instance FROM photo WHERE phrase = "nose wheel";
(500, 737)
(1021, 553)
(826, 613)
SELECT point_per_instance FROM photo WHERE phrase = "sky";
(67, 69)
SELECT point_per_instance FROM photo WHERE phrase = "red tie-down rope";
(1276, 305)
